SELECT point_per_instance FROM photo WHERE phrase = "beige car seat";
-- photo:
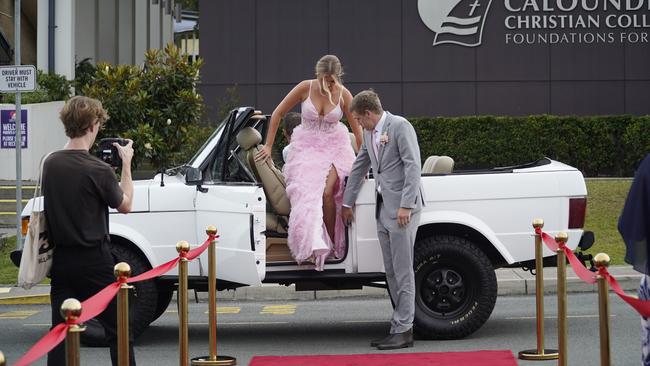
(443, 165)
(427, 167)
(265, 172)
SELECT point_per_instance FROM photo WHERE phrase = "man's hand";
(126, 152)
(264, 154)
(403, 216)
(126, 182)
(348, 215)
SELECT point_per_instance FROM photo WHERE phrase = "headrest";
(248, 138)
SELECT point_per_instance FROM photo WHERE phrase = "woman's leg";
(329, 207)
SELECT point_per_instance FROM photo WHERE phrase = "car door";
(231, 200)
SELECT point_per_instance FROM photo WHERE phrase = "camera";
(108, 153)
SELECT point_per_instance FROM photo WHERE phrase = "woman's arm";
(354, 125)
(294, 97)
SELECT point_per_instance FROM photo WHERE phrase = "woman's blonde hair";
(329, 65)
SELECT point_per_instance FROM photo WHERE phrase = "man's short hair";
(80, 113)
(366, 100)
(291, 121)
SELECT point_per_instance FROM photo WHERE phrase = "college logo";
(455, 21)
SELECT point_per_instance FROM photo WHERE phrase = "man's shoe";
(379, 341)
(397, 340)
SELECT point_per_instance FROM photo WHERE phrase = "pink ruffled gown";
(317, 144)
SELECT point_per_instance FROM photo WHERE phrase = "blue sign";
(8, 129)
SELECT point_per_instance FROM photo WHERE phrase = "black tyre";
(455, 287)
(165, 294)
(143, 299)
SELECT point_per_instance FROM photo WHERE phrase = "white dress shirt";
(377, 135)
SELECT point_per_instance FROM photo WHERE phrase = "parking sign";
(17, 78)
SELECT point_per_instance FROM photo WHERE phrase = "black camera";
(108, 153)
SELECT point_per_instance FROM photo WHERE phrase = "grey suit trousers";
(397, 250)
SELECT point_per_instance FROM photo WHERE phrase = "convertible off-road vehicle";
(474, 222)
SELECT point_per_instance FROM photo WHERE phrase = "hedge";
(598, 146)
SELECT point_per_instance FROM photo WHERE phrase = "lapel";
(384, 130)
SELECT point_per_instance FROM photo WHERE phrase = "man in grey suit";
(391, 148)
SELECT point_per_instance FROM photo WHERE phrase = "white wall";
(44, 134)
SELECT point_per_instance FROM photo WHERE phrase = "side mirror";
(194, 177)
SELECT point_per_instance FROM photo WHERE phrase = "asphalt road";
(342, 326)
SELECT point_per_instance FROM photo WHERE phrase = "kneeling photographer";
(78, 188)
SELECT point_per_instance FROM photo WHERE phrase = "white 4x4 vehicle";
(473, 222)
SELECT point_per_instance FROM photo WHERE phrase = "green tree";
(155, 105)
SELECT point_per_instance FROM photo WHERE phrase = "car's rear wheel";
(456, 287)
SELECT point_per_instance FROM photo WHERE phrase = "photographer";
(78, 188)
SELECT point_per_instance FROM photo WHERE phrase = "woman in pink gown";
(320, 158)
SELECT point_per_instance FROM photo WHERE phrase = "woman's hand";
(264, 154)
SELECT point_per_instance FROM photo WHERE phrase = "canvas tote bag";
(36, 260)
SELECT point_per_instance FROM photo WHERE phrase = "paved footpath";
(511, 281)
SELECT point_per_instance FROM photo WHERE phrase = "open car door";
(229, 198)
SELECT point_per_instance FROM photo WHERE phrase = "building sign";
(530, 22)
(577, 21)
(17, 78)
(8, 129)
(455, 21)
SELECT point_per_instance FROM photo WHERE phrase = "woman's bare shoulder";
(303, 86)
(346, 92)
(347, 96)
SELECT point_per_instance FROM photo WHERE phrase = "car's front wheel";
(456, 287)
(143, 299)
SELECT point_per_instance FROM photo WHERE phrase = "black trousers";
(80, 272)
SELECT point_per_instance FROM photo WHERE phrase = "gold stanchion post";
(601, 260)
(123, 271)
(213, 358)
(562, 330)
(182, 247)
(2, 359)
(70, 311)
(540, 353)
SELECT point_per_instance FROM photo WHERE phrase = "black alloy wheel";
(455, 287)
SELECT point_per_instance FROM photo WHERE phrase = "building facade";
(437, 57)
(114, 31)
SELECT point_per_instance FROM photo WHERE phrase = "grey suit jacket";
(397, 168)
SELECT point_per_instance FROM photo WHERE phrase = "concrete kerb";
(511, 282)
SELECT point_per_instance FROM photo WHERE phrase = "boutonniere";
(383, 139)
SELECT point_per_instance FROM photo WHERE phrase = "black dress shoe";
(397, 340)
(379, 341)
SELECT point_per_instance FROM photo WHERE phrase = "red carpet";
(478, 358)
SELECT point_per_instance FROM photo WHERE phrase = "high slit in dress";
(317, 144)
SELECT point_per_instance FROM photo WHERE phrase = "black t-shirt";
(78, 188)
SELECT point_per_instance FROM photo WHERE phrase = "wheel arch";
(479, 234)
(119, 240)
(123, 235)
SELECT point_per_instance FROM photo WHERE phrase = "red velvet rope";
(94, 305)
(641, 306)
(580, 270)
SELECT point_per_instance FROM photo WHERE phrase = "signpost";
(17, 79)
